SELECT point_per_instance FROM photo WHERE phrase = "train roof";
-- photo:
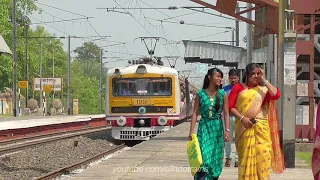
(150, 69)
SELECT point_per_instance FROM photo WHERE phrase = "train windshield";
(142, 87)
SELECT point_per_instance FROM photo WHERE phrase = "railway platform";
(163, 158)
(11, 127)
(32, 121)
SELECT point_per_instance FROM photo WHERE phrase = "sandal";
(236, 164)
(228, 162)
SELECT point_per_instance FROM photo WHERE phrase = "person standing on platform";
(233, 79)
(257, 138)
(211, 102)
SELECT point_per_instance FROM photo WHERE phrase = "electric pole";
(101, 89)
(281, 67)
(69, 76)
(288, 85)
(249, 35)
(14, 58)
(237, 26)
(41, 93)
(53, 70)
(26, 64)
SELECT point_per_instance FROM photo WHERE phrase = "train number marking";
(140, 102)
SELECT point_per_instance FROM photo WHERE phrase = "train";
(146, 99)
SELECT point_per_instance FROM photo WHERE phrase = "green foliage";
(86, 89)
(89, 51)
(85, 68)
(86, 81)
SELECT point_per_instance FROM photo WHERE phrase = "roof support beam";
(228, 7)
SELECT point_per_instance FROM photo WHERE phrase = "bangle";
(228, 130)
(265, 83)
(241, 118)
(191, 132)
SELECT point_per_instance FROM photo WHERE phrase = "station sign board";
(23, 84)
(55, 83)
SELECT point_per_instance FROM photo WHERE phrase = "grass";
(305, 156)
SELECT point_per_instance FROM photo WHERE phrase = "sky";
(124, 25)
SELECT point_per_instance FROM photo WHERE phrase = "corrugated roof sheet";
(217, 52)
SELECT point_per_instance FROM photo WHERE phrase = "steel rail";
(18, 147)
(29, 138)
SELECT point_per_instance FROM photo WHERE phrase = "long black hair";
(249, 70)
(206, 83)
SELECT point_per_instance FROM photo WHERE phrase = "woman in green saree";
(211, 102)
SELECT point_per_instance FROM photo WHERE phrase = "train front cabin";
(143, 101)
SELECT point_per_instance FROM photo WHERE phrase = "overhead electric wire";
(51, 14)
(61, 9)
(139, 23)
(157, 9)
(62, 20)
(84, 17)
(93, 27)
(210, 35)
(127, 53)
(161, 24)
(50, 26)
(210, 14)
(191, 24)
(173, 17)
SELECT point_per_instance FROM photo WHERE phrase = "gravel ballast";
(37, 161)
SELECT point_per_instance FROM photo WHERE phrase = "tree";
(24, 8)
(89, 51)
(85, 71)
(85, 89)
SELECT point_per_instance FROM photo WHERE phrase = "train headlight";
(141, 122)
(121, 121)
(141, 69)
(162, 120)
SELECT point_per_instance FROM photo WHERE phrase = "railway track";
(70, 168)
(30, 138)
(28, 142)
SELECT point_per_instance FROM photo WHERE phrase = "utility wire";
(191, 24)
(161, 24)
(139, 23)
(51, 14)
(127, 53)
(174, 17)
(211, 14)
(210, 35)
(61, 9)
(154, 8)
(50, 26)
(62, 20)
(93, 27)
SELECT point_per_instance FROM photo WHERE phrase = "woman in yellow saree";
(256, 127)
